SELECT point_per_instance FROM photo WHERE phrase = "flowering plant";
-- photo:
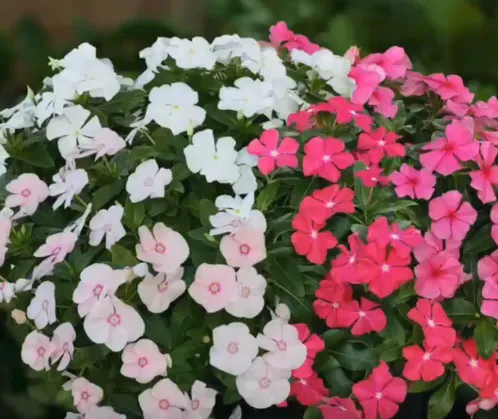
(252, 221)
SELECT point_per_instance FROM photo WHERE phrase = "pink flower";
(63, 341)
(372, 174)
(328, 201)
(202, 403)
(382, 100)
(367, 79)
(143, 361)
(57, 246)
(471, 368)
(403, 241)
(413, 183)
(158, 292)
(365, 317)
(102, 412)
(336, 408)
(394, 62)
(432, 246)
(271, 154)
(435, 324)
(26, 192)
(36, 351)
(309, 241)
(487, 269)
(105, 143)
(301, 121)
(346, 112)
(389, 271)
(351, 266)
(214, 287)
(414, 84)
(380, 394)
(451, 219)
(487, 109)
(438, 276)
(314, 344)
(309, 391)
(486, 177)
(380, 143)
(85, 394)
(494, 220)
(163, 401)
(445, 154)
(425, 364)
(326, 158)
(488, 395)
(245, 248)
(455, 108)
(164, 248)
(280, 34)
(331, 303)
(449, 87)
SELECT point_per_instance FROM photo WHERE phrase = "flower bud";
(19, 316)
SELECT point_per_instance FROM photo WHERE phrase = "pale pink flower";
(63, 341)
(148, 180)
(413, 183)
(250, 300)
(282, 342)
(85, 394)
(158, 292)
(26, 192)
(106, 142)
(19, 316)
(36, 351)
(234, 348)
(57, 246)
(114, 324)
(107, 222)
(97, 281)
(244, 249)
(163, 401)
(214, 287)
(164, 248)
(103, 412)
(7, 292)
(67, 184)
(5, 227)
(41, 309)
(202, 402)
(143, 361)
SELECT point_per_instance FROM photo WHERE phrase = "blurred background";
(450, 36)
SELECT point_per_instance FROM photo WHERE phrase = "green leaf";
(157, 331)
(206, 209)
(231, 396)
(126, 404)
(423, 386)
(103, 195)
(312, 412)
(486, 337)
(180, 172)
(480, 241)
(223, 117)
(35, 154)
(89, 355)
(134, 214)
(334, 337)
(338, 382)
(122, 256)
(395, 206)
(124, 102)
(406, 291)
(267, 196)
(390, 351)
(285, 272)
(441, 402)
(461, 311)
(394, 331)
(355, 359)
(361, 191)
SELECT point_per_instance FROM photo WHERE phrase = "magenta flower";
(484, 179)
(380, 143)
(413, 183)
(395, 62)
(425, 364)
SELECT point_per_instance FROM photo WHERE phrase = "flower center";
(195, 404)
(40, 351)
(413, 181)
(352, 259)
(149, 182)
(329, 204)
(436, 272)
(164, 404)
(65, 347)
(381, 143)
(326, 158)
(335, 305)
(281, 345)
(473, 363)
(142, 362)
(45, 305)
(85, 395)
(362, 314)
(448, 148)
(25, 193)
(394, 236)
(246, 292)
(114, 319)
(431, 323)
(265, 382)
(314, 234)
(160, 248)
(233, 347)
(274, 153)
(427, 356)
(244, 249)
(56, 251)
(108, 227)
(98, 290)
(452, 215)
(378, 396)
(214, 288)
(163, 286)
(385, 268)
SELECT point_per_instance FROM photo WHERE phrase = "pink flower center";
(85, 395)
(195, 404)
(25, 193)
(314, 234)
(413, 181)
(335, 305)
(381, 143)
(142, 362)
(56, 251)
(164, 404)
(431, 323)
(394, 237)
(326, 158)
(274, 153)
(108, 227)
(114, 320)
(378, 396)
(281, 345)
(41, 351)
(329, 204)
(160, 248)
(246, 292)
(98, 290)
(265, 382)
(214, 288)
(352, 259)
(362, 314)
(149, 182)
(385, 268)
(233, 347)
(448, 148)
(436, 272)
(45, 305)
(163, 286)
(427, 356)
(244, 249)
(65, 347)
(473, 363)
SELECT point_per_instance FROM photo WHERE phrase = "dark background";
(450, 36)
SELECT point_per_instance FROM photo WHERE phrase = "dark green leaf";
(206, 209)
(156, 330)
(480, 241)
(223, 117)
(126, 404)
(355, 359)
(285, 272)
(36, 154)
(103, 195)
(423, 386)
(390, 351)
(361, 191)
(134, 214)
(180, 172)
(231, 396)
(486, 337)
(312, 412)
(338, 382)
(441, 402)
(267, 196)
(461, 311)
(122, 256)
(334, 337)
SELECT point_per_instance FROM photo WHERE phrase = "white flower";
(216, 162)
(22, 115)
(286, 101)
(272, 123)
(107, 222)
(89, 74)
(282, 342)
(262, 385)
(63, 340)
(269, 65)
(236, 413)
(6, 292)
(53, 102)
(300, 57)
(249, 97)
(97, 282)
(163, 401)
(138, 125)
(67, 184)
(77, 226)
(156, 54)
(3, 156)
(195, 53)
(143, 361)
(234, 348)
(148, 180)
(282, 311)
(36, 351)
(246, 183)
(202, 402)
(103, 412)
(114, 324)
(335, 70)
(72, 129)
(227, 47)
(174, 107)
(250, 301)
(158, 292)
(41, 309)
(106, 142)
(235, 213)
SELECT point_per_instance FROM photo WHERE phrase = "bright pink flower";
(309, 391)
(328, 201)
(350, 266)
(394, 62)
(438, 276)
(57, 246)
(389, 272)
(331, 303)
(471, 368)
(326, 158)
(487, 109)
(372, 174)
(486, 177)
(26, 192)
(382, 100)
(380, 143)
(301, 121)
(414, 85)
(456, 108)
(381, 393)
(271, 154)
(451, 218)
(337, 408)
(365, 317)
(449, 87)
(280, 34)
(346, 112)
(244, 248)
(403, 241)
(432, 246)
(487, 269)
(314, 344)
(494, 220)
(425, 364)
(488, 396)
(367, 79)
(435, 324)
(445, 154)
(309, 241)
(413, 183)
